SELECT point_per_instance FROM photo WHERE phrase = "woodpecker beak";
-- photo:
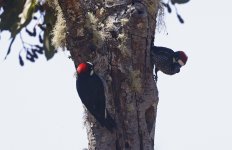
(91, 72)
(181, 62)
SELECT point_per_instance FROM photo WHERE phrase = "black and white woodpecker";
(91, 92)
(167, 61)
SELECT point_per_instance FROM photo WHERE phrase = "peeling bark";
(116, 36)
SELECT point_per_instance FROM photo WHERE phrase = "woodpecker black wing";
(91, 92)
(161, 55)
(97, 91)
(103, 116)
(162, 51)
(92, 95)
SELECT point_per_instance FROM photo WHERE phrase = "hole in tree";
(114, 34)
(150, 118)
(127, 145)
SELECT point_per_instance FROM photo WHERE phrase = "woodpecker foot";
(156, 74)
(156, 77)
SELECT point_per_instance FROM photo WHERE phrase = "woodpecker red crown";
(83, 67)
(183, 57)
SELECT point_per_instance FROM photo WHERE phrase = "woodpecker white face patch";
(91, 72)
(181, 62)
(89, 63)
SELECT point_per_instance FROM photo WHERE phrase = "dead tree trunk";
(116, 36)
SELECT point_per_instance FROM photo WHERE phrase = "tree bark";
(116, 35)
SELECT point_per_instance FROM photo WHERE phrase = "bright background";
(40, 109)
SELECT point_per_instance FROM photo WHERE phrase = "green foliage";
(16, 15)
(10, 15)
(173, 2)
(10, 18)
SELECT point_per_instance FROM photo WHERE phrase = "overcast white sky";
(40, 109)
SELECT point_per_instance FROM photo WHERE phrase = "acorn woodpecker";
(167, 61)
(91, 92)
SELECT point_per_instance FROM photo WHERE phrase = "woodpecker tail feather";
(106, 121)
(109, 122)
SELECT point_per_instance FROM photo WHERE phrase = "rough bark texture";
(116, 36)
